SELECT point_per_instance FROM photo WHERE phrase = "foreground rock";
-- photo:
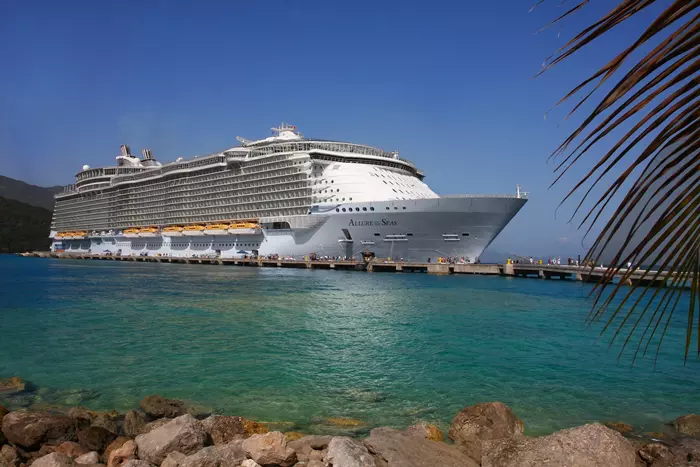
(116, 444)
(688, 425)
(270, 449)
(136, 463)
(347, 452)
(123, 454)
(400, 449)
(585, 446)
(71, 449)
(174, 459)
(9, 456)
(224, 429)
(223, 455)
(90, 458)
(313, 447)
(425, 430)
(134, 423)
(95, 438)
(55, 459)
(477, 424)
(184, 434)
(31, 429)
(158, 407)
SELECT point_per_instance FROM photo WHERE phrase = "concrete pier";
(542, 271)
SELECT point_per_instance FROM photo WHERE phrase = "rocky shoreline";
(169, 433)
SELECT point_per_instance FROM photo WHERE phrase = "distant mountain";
(23, 227)
(30, 194)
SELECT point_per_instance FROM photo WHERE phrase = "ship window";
(410, 234)
(394, 190)
(343, 209)
(465, 234)
(357, 209)
(337, 210)
(384, 181)
(377, 234)
(371, 208)
(387, 208)
(404, 207)
(364, 209)
(396, 208)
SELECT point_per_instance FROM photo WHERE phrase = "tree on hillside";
(653, 103)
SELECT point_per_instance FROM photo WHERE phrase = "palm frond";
(655, 107)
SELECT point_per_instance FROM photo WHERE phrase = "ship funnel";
(147, 154)
(126, 152)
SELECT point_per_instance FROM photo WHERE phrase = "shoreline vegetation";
(173, 433)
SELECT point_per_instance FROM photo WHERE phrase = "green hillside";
(23, 227)
(26, 193)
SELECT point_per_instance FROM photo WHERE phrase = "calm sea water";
(299, 346)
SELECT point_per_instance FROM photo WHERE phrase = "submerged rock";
(590, 445)
(184, 434)
(347, 452)
(400, 449)
(158, 407)
(12, 385)
(117, 457)
(688, 425)
(425, 430)
(622, 428)
(31, 429)
(134, 423)
(95, 438)
(476, 424)
(344, 421)
(107, 420)
(55, 459)
(270, 448)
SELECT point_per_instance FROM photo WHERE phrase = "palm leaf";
(654, 105)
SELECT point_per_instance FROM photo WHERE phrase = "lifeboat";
(148, 232)
(244, 228)
(172, 231)
(216, 229)
(60, 235)
(132, 232)
(190, 230)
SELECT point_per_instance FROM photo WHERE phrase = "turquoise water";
(299, 346)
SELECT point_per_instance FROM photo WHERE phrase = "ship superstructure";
(285, 194)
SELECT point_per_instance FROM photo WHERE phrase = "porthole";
(337, 210)
(343, 209)
(404, 207)
(396, 208)
(387, 208)
(364, 209)
(371, 208)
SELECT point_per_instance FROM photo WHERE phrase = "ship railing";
(480, 196)
(334, 146)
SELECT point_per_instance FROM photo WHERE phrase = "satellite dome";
(85, 167)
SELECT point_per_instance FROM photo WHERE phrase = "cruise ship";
(284, 195)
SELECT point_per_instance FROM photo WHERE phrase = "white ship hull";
(426, 229)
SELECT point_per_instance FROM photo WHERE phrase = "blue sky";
(448, 84)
